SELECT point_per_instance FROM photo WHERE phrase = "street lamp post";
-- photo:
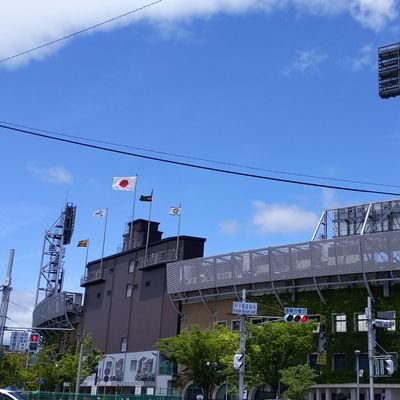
(357, 353)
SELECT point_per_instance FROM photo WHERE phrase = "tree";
(297, 381)
(277, 346)
(206, 356)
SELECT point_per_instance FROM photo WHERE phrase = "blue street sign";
(295, 310)
(243, 308)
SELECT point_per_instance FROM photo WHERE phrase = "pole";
(5, 298)
(179, 229)
(104, 239)
(78, 374)
(148, 229)
(371, 348)
(87, 252)
(242, 328)
(357, 353)
(130, 245)
(40, 271)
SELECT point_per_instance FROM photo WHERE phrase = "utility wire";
(203, 167)
(201, 159)
(89, 28)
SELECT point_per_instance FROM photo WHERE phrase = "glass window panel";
(339, 323)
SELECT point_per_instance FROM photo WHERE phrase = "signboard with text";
(243, 308)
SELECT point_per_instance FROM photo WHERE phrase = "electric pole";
(6, 289)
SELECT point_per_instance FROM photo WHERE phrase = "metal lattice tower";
(51, 273)
(359, 220)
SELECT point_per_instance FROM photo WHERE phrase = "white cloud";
(329, 200)
(28, 24)
(52, 174)
(279, 218)
(373, 13)
(229, 227)
(366, 58)
(307, 60)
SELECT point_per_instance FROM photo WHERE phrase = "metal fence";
(370, 253)
(39, 395)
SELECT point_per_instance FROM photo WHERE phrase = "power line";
(201, 159)
(190, 165)
(89, 28)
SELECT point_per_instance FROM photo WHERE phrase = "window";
(339, 323)
(361, 323)
(339, 362)
(235, 325)
(363, 361)
(313, 361)
(147, 284)
(109, 364)
(131, 267)
(129, 290)
(133, 365)
(98, 295)
(222, 323)
(124, 344)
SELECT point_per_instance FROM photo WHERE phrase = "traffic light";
(296, 318)
(389, 366)
(238, 361)
(33, 342)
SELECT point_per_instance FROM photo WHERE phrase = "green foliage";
(277, 346)
(297, 381)
(206, 355)
(51, 365)
(349, 301)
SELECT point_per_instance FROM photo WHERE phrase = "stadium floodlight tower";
(389, 70)
(359, 219)
(51, 272)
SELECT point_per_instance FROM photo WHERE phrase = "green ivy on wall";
(346, 300)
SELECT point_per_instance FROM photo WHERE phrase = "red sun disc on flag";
(123, 183)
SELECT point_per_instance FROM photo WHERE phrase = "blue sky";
(275, 85)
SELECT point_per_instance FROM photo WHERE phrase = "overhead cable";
(230, 164)
(190, 165)
(89, 28)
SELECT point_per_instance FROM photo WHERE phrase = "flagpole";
(104, 240)
(133, 216)
(179, 228)
(148, 229)
(87, 252)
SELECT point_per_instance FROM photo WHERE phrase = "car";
(6, 394)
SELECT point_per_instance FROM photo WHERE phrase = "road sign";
(295, 310)
(243, 308)
(383, 323)
(106, 378)
(107, 371)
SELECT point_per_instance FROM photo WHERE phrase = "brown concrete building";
(127, 307)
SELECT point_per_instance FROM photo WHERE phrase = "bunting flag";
(127, 183)
(83, 243)
(146, 198)
(175, 211)
(100, 213)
